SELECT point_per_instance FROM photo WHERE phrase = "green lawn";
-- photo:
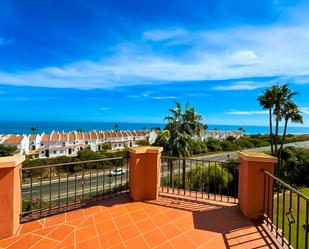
(302, 216)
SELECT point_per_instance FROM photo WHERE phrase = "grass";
(290, 201)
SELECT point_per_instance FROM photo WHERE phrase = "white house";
(20, 141)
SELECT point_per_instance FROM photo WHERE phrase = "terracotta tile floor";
(120, 223)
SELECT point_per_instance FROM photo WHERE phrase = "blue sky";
(129, 61)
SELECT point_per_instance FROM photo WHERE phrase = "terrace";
(81, 206)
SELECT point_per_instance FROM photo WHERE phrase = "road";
(71, 187)
(234, 154)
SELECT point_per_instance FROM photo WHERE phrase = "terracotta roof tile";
(63, 137)
(86, 135)
(71, 136)
(79, 136)
(32, 136)
(54, 137)
(45, 138)
(13, 139)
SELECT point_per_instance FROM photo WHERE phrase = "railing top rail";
(198, 160)
(306, 198)
(74, 163)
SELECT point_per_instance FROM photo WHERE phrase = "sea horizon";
(24, 127)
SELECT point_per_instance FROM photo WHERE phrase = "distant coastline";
(24, 127)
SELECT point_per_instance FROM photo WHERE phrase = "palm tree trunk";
(284, 135)
(281, 147)
(271, 132)
(276, 135)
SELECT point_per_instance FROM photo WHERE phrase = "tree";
(7, 150)
(205, 126)
(267, 102)
(241, 129)
(34, 129)
(290, 112)
(143, 142)
(182, 125)
(116, 126)
(282, 95)
(79, 130)
(275, 99)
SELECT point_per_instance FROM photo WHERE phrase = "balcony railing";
(213, 180)
(285, 212)
(50, 189)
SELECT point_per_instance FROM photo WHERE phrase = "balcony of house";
(150, 201)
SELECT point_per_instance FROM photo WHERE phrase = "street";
(234, 154)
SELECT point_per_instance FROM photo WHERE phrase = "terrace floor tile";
(166, 223)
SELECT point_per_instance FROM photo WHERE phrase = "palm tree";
(267, 102)
(182, 127)
(79, 130)
(282, 95)
(116, 126)
(34, 128)
(293, 113)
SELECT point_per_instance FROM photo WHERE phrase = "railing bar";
(307, 225)
(196, 170)
(97, 185)
(41, 194)
(208, 180)
(73, 163)
(220, 183)
(58, 188)
(90, 181)
(215, 187)
(290, 210)
(228, 183)
(278, 203)
(30, 196)
(83, 181)
(283, 214)
(268, 193)
(203, 183)
(67, 186)
(287, 185)
(297, 222)
(121, 181)
(50, 173)
(75, 186)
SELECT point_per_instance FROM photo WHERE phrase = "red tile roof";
(79, 135)
(45, 138)
(71, 136)
(32, 136)
(54, 137)
(86, 135)
(63, 137)
(13, 139)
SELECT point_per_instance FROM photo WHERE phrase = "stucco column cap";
(146, 149)
(257, 157)
(11, 161)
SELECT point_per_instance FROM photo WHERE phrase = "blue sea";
(24, 127)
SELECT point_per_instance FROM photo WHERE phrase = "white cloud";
(233, 53)
(241, 85)
(164, 97)
(305, 110)
(246, 112)
(104, 108)
(162, 35)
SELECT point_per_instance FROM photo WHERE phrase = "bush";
(198, 147)
(7, 150)
(142, 142)
(213, 145)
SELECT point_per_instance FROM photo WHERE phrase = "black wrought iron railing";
(204, 179)
(50, 189)
(286, 212)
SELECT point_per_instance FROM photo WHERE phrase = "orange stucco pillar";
(251, 182)
(10, 195)
(144, 172)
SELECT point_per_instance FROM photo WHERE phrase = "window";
(54, 152)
